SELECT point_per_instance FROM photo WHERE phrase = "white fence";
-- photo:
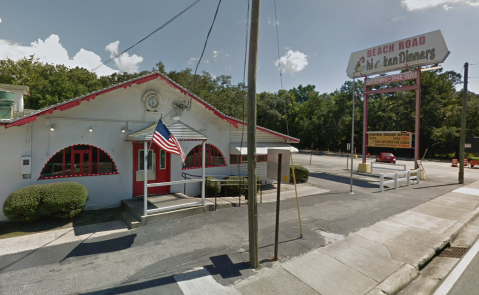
(399, 176)
(386, 166)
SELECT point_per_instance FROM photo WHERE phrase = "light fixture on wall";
(52, 127)
(123, 129)
(176, 115)
(91, 129)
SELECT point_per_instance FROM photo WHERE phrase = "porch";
(172, 206)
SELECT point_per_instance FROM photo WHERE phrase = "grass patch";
(9, 229)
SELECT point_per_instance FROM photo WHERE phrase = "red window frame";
(211, 152)
(79, 149)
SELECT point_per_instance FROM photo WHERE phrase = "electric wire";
(244, 81)
(203, 52)
(159, 28)
(280, 68)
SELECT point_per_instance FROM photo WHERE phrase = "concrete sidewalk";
(380, 259)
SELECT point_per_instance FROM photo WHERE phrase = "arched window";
(79, 160)
(213, 157)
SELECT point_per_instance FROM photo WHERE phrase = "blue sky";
(316, 36)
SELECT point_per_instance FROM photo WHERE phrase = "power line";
(204, 47)
(280, 68)
(159, 28)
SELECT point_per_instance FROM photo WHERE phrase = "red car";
(386, 157)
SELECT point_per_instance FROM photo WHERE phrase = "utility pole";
(463, 126)
(252, 204)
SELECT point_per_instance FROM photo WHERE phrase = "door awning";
(179, 129)
(261, 148)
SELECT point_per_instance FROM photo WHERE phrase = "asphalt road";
(149, 259)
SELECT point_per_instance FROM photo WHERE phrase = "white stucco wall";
(14, 143)
(106, 115)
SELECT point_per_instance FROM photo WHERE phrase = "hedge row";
(59, 200)
(232, 188)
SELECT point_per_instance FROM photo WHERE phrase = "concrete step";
(130, 219)
(174, 214)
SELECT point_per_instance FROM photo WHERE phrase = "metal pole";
(278, 194)
(311, 157)
(252, 204)
(203, 164)
(145, 179)
(296, 191)
(365, 120)
(352, 138)
(418, 120)
(463, 126)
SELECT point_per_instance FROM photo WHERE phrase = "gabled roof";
(140, 80)
(180, 130)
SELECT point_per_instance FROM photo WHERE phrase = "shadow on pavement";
(341, 179)
(111, 245)
(222, 265)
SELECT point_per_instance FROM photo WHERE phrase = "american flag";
(167, 141)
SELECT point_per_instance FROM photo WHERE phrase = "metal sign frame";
(393, 78)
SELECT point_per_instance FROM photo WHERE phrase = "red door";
(158, 169)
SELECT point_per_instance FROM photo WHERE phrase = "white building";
(97, 140)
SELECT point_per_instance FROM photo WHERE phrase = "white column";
(203, 183)
(145, 179)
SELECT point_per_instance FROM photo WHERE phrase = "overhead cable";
(159, 28)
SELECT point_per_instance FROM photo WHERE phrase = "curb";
(408, 273)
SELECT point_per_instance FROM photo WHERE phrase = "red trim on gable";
(153, 76)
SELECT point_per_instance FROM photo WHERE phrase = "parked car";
(386, 157)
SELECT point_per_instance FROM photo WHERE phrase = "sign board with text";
(392, 78)
(390, 139)
(422, 50)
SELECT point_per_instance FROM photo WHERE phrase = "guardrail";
(405, 176)
(384, 166)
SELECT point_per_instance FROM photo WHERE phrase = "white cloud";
(422, 4)
(215, 53)
(192, 61)
(272, 23)
(292, 62)
(51, 51)
(398, 18)
(0, 20)
(125, 62)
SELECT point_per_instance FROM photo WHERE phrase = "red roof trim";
(76, 102)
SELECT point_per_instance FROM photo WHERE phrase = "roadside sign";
(392, 78)
(422, 50)
(348, 146)
(390, 139)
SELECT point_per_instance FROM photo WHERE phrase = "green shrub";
(210, 187)
(234, 190)
(301, 173)
(59, 200)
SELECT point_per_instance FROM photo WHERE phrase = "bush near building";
(301, 173)
(210, 187)
(233, 189)
(57, 200)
